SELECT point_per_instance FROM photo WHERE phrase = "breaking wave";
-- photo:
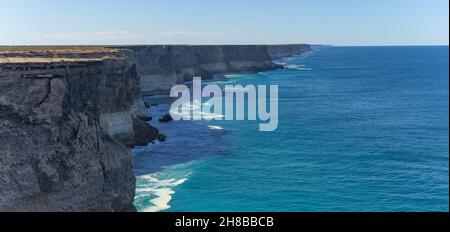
(154, 191)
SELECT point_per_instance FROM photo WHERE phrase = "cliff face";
(67, 113)
(58, 153)
(161, 67)
(280, 51)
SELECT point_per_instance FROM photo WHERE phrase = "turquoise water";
(360, 129)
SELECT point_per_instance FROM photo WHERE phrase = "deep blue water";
(360, 129)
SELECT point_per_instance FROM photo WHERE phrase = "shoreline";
(156, 183)
(76, 109)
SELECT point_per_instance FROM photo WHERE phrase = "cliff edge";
(56, 155)
(162, 66)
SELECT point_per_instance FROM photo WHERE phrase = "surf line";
(256, 96)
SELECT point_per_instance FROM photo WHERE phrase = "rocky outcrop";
(162, 67)
(144, 132)
(58, 151)
(166, 118)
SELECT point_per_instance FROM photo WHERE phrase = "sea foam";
(215, 127)
(194, 109)
(156, 190)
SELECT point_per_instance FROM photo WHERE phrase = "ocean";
(360, 129)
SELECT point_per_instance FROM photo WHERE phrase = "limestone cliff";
(280, 51)
(161, 67)
(59, 151)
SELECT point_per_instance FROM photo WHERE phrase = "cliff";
(59, 121)
(68, 116)
(161, 67)
(280, 51)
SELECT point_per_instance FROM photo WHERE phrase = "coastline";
(97, 91)
(157, 185)
(329, 170)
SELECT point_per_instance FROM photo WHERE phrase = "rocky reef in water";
(69, 115)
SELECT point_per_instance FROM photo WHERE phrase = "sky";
(118, 22)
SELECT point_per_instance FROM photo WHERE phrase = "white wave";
(280, 63)
(297, 67)
(195, 109)
(162, 201)
(215, 127)
(291, 66)
(160, 189)
(223, 82)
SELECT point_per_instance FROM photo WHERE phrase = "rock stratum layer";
(68, 116)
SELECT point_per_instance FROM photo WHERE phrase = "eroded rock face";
(162, 67)
(55, 154)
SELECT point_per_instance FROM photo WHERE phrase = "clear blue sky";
(338, 22)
